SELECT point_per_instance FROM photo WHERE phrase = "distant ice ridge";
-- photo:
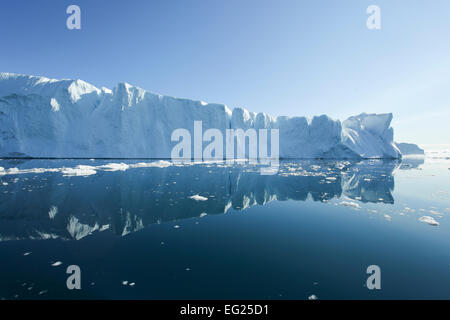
(41, 117)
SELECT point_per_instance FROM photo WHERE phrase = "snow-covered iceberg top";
(41, 117)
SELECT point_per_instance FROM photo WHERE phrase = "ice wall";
(41, 117)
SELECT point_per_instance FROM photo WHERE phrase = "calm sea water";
(137, 233)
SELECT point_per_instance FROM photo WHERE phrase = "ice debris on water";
(198, 198)
(350, 204)
(429, 220)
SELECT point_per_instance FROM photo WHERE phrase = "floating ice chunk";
(13, 171)
(198, 198)
(124, 283)
(176, 226)
(387, 217)
(429, 220)
(57, 263)
(350, 204)
(434, 212)
(312, 297)
(79, 170)
(5, 183)
(155, 164)
(114, 167)
(132, 284)
(42, 292)
(27, 253)
(203, 214)
(331, 178)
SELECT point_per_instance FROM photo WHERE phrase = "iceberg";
(410, 149)
(49, 118)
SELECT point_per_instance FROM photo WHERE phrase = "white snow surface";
(41, 117)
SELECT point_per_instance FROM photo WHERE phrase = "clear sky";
(284, 57)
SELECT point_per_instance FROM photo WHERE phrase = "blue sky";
(286, 57)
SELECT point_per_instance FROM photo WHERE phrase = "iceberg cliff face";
(370, 136)
(41, 117)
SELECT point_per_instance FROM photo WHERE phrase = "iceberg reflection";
(50, 205)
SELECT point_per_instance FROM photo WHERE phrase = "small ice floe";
(331, 178)
(188, 269)
(155, 164)
(387, 217)
(57, 263)
(27, 253)
(198, 198)
(434, 212)
(429, 220)
(127, 283)
(203, 214)
(13, 171)
(176, 226)
(312, 297)
(79, 170)
(42, 292)
(5, 183)
(350, 204)
(114, 167)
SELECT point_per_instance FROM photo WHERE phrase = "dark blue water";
(313, 228)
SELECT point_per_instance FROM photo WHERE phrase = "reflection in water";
(49, 205)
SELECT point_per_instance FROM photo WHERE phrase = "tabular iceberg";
(41, 117)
